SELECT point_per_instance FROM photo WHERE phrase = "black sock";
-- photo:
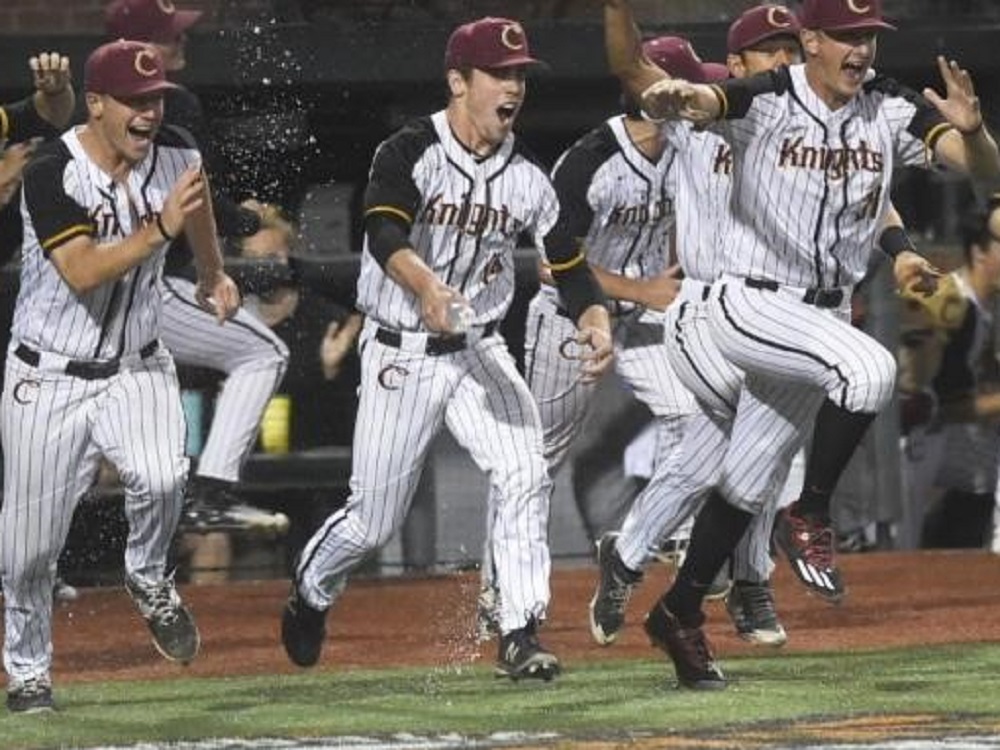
(836, 436)
(717, 530)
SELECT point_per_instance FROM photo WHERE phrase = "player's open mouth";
(855, 70)
(506, 112)
(142, 134)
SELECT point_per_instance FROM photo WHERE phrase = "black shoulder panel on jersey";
(738, 93)
(525, 152)
(56, 217)
(392, 198)
(20, 121)
(927, 124)
(175, 136)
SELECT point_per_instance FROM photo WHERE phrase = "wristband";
(163, 230)
(974, 131)
(895, 240)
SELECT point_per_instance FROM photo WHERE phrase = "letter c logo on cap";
(859, 9)
(778, 18)
(145, 63)
(512, 37)
(167, 6)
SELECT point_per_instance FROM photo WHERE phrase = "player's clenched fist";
(218, 294)
(594, 337)
(186, 196)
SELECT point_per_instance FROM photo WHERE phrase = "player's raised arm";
(660, 95)
(54, 96)
(968, 147)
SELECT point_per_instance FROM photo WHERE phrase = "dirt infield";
(894, 599)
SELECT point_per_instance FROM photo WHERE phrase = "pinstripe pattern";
(466, 216)
(778, 336)
(55, 427)
(484, 402)
(253, 358)
(811, 186)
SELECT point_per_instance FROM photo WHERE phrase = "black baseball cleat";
(687, 647)
(614, 589)
(171, 624)
(522, 656)
(303, 629)
(807, 544)
(751, 607)
(212, 506)
(31, 696)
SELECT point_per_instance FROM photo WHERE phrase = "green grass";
(607, 699)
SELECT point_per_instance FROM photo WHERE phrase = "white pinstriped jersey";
(701, 182)
(811, 185)
(67, 195)
(626, 213)
(466, 215)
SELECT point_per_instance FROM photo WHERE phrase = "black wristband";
(894, 240)
(163, 230)
(974, 131)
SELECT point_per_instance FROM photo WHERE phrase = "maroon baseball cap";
(489, 43)
(760, 23)
(843, 15)
(125, 68)
(148, 20)
(676, 56)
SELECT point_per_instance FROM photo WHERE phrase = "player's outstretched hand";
(915, 275)
(219, 295)
(594, 343)
(186, 196)
(960, 105)
(51, 72)
(673, 98)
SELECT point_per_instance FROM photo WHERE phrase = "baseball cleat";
(614, 589)
(687, 647)
(807, 544)
(522, 656)
(303, 628)
(751, 607)
(175, 634)
(30, 696)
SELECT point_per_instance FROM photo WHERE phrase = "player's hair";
(974, 226)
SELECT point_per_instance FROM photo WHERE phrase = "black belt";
(813, 295)
(84, 368)
(436, 345)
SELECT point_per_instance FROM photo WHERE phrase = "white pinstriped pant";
(55, 429)
(253, 358)
(795, 355)
(406, 397)
(695, 465)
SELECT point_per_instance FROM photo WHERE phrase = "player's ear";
(810, 39)
(456, 82)
(735, 64)
(95, 105)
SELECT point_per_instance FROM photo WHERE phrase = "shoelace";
(34, 686)
(619, 593)
(818, 550)
(699, 645)
(757, 601)
(161, 601)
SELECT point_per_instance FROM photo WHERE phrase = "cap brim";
(714, 72)
(860, 26)
(520, 62)
(770, 34)
(153, 87)
(185, 19)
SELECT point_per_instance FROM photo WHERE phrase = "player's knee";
(871, 388)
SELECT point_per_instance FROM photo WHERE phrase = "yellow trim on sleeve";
(66, 234)
(935, 133)
(4, 124)
(723, 100)
(390, 210)
(566, 265)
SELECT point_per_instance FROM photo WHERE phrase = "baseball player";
(615, 200)
(761, 39)
(948, 408)
(86, 375)
(825, 135)
(253, 358)
(447, 198)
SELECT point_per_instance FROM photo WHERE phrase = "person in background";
(252, 357)
(949, 396)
